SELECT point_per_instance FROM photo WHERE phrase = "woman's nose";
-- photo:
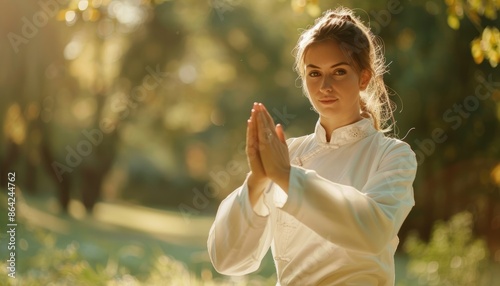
(326, 85)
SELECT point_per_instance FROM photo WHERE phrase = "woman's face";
(332, 82)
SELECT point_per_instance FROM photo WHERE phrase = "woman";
(329, 204)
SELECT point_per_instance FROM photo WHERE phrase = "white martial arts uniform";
(338, 225)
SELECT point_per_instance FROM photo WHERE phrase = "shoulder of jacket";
(395, 144)
(393, 148)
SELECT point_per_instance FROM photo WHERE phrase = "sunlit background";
(124, 122)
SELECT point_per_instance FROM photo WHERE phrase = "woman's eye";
(340, 72)
(314, 74)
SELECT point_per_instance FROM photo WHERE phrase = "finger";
(253, 157)
(267, 123)
(252, 141)
(251, 130)
(268, 116)
(259, 124)
(253, 116)
(264, 132)
(280, 133)
(254, 127)
(249, 136)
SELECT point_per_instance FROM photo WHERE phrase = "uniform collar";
(346, 134)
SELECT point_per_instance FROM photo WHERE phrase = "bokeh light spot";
(187, 74)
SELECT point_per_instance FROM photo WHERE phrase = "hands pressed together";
(267, 153)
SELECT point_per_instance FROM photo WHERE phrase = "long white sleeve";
(239, 237)
(363, 220)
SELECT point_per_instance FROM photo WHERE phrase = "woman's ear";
(364, 79)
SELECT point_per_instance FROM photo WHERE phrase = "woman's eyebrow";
(335, 65)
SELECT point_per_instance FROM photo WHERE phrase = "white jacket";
(338, 225)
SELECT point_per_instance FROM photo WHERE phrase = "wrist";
(256, 187)
(282, 179)
(255, 181)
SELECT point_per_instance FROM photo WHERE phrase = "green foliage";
(453, 256)
(486, 46)
(56, 266)
(66, 266)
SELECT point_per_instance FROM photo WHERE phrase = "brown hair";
(365, 52)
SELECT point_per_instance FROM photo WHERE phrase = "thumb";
(280, 133)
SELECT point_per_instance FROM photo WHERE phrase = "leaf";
(453, 22)
(493, 62)
(477, 52)
(490, 12)
(490, 45)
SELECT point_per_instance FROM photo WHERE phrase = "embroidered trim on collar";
(345, 134)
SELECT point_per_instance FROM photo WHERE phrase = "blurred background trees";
(145, 101)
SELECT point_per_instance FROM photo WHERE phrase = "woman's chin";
(328, 111)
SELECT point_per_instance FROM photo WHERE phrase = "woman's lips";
(328, 100)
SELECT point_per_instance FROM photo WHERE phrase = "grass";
(131, 239)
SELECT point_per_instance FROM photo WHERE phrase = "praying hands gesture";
(267, 153)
